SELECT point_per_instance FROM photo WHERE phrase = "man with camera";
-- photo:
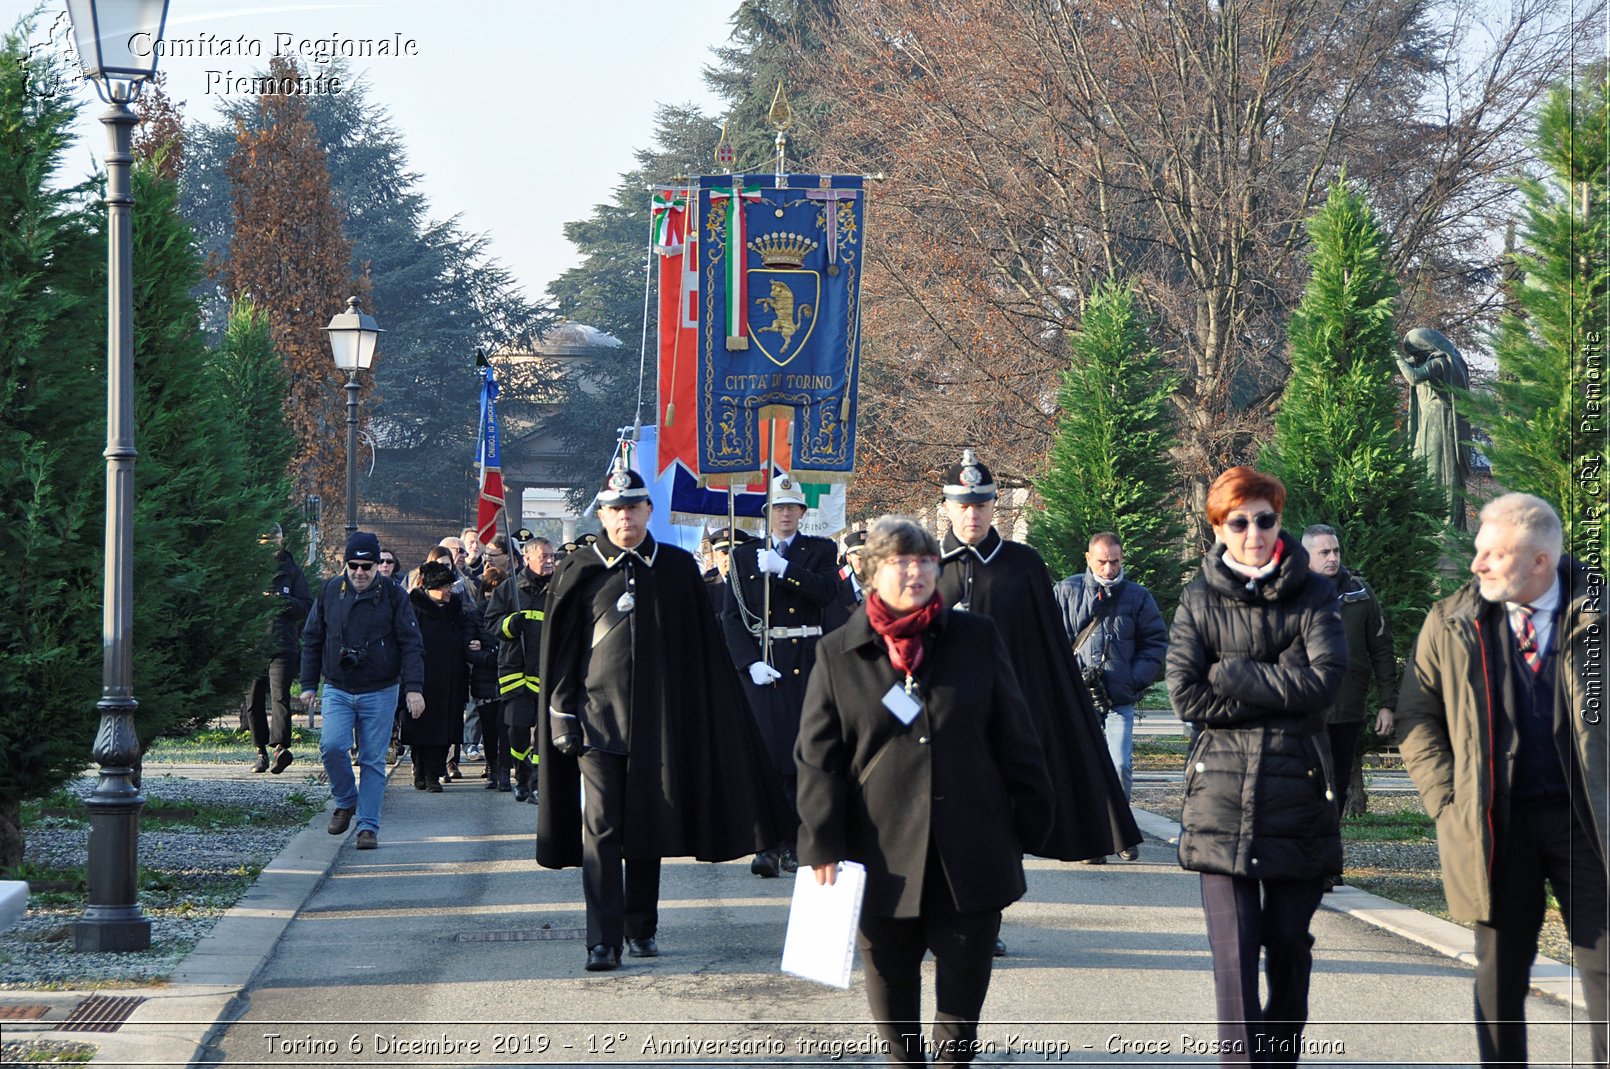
(363, 640)
(1120, 638)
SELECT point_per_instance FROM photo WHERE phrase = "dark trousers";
(617, 908)
(963, 946)
(1543, 842)
(1343, 749)
(271, 691)
(1244, 916)
(430, 763)
(495, 735)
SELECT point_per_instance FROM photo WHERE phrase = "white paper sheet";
(822, 921)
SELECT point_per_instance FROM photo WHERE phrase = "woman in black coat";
(1255, 657)
(917, 758)
(452, 642)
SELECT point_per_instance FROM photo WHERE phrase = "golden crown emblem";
(783, 249)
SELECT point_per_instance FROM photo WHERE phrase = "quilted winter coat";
(1256, 665)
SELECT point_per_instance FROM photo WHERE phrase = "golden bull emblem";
(792, 295)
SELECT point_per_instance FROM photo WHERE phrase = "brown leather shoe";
(367, 840)
(340, 820)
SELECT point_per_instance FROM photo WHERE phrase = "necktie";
(1527, 635)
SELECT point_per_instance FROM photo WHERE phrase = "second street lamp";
(353, 335)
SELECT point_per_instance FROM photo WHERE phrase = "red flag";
(678, 330)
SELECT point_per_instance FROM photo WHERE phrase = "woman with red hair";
(1256, 656)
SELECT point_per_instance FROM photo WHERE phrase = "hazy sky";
(520, 116)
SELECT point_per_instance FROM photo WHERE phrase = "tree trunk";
(1357, 803)
(10, 834)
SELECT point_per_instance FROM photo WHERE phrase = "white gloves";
(773, 562)
(763, 673)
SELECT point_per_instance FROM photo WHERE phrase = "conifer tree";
(52, 421)
(252, 384)
(200, 617)
(1545, 414)
(1109, 466)
(1338, 444)
(289, 255)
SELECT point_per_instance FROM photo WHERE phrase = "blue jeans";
(1120, 730)
(373, 713)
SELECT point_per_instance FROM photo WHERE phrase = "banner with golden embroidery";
(780, 264)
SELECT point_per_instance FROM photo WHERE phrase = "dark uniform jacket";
(798, 599)
(1009, 583)
(379, 622)
(1257, 668)
(964, 779)
(1130, 642)
(656, 681)
(445, 631)
(1369, 649)
(290, 586)
(1457, 733)
(513, 618)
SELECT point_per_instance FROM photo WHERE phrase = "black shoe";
(340, 821)
(433, 788)
(1331, 883)
(1000, 948)
(490, 785)
(603, 958)
(767, 864)
(1095, 861)
(262, 761)
(786, 860)
(452, 770)
(642, 948)
(282, 761)
(419, 781)
(502, 782)
(521, 794)
(1130, 853)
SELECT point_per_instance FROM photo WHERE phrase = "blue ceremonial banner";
(779, 321)
(490, 500)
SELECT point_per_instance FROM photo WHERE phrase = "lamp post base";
(124, 931)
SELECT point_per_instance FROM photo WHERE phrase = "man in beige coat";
(1503, 728)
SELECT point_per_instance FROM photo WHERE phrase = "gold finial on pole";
(780, 116)
(725, 153)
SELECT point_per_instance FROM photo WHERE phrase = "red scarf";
(902, 634)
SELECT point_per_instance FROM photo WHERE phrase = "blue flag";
(779, 320)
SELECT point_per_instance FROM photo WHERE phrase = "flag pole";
(765, 612)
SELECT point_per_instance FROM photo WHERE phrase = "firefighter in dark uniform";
(637, 686)
(513, 618)
(802, 573)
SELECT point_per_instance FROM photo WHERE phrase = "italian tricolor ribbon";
(661, 206)
(737, 256)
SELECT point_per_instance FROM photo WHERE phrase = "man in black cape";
(1009, 582)
(644, 707)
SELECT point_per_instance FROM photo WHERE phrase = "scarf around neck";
(1251, 574)
(902, 634)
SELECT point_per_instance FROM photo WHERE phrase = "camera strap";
(1104, 608)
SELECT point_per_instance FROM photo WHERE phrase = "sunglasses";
(388, 560)
(1265, 521)
(360, 565)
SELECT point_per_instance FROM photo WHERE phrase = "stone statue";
(1440, 436)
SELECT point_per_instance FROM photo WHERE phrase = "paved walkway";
(450, 946)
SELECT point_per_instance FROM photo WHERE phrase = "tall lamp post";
(117, 43)
(353, 335)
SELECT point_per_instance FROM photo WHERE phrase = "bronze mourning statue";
(1440, 436)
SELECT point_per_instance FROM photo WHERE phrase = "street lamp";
(117, 44)
(353, 335)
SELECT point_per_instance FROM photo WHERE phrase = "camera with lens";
(1097, 686)
(352, 656)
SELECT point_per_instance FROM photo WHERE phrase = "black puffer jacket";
(1257, 667)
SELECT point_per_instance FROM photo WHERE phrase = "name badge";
(904, 706)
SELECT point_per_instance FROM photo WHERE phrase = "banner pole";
(765, 601)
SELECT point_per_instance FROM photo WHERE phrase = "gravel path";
(193, 875)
